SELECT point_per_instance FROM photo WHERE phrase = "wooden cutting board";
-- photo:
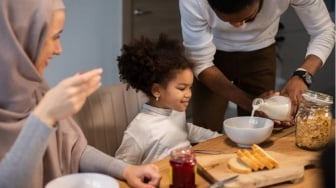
(291, 168)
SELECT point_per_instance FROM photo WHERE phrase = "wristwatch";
(304, 75)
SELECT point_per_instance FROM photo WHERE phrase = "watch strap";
(304, 75)
(301, 69)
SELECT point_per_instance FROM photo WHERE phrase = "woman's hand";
(145, 176)
(68, 96)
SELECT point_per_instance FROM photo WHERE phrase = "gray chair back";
(106, 115)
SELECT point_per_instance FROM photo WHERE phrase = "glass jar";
(182, 168)
(313, 121)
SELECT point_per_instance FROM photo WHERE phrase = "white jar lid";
(317, 97)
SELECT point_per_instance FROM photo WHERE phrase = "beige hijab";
(23, 26)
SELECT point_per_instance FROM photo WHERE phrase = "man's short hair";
(229, 6)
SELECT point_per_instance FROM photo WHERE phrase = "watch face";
(305, 76)
(308, 78)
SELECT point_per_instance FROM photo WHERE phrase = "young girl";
(161, 71)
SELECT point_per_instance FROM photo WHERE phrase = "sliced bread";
(238, 166)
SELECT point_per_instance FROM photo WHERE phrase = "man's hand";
(277, 123)
(294, 89)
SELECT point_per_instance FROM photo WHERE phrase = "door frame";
(127, 20)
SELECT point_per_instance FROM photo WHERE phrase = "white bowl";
(83, 180)
(246, 130)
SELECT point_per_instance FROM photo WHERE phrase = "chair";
(106, 115)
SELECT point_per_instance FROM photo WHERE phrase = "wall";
(91, 38)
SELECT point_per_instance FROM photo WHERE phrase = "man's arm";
(218, 83)
(296, 86)
(316, 20)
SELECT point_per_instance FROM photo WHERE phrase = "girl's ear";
(156, 90)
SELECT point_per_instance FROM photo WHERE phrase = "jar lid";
(317, 97)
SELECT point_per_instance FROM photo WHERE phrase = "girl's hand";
(68, 96)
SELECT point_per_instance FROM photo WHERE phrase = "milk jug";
(275, 107)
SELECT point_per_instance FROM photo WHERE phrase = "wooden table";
(282, 141)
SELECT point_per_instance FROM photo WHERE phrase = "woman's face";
(177, 93)
(52, 44)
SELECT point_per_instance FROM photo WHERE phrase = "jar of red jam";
(182, 168)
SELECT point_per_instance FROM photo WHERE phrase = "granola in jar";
(313, 121)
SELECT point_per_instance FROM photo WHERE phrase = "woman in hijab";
(39, 141)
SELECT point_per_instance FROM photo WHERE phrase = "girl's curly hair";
(145, 62)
